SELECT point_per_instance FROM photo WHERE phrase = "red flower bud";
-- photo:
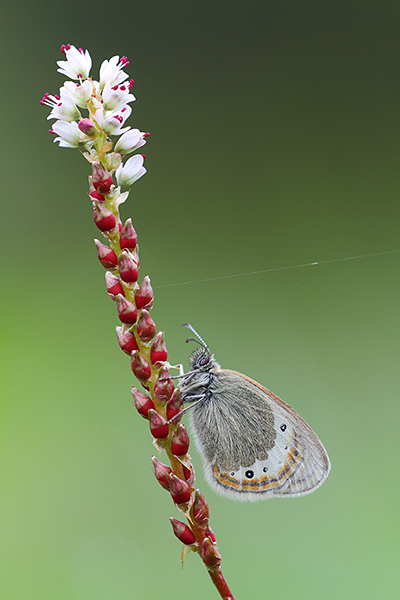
(101, 178)
(113, 285)
(127, 312)
(88, 127)
(210, 554)
(174, 405)
(188, 474)
(128, 236)
(158, 350)
(128, 268)
(97, 195)
(142, 402)
(164, 386)
(103, 217)
(140, 367)
(158, 425)
(145, 326)
(200, 509)
(106, 255)
(211, 534)
(126, 340)
(179, 489)
(182, 532)
(144, 294)
(180, 441)
(162, 472)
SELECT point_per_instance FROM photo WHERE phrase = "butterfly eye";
(283, 427)
(203, 361)
(249, 474)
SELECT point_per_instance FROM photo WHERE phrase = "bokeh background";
(274, 142)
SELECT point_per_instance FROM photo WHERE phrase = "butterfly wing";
(253, 444)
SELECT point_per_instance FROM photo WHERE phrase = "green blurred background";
(274, 142)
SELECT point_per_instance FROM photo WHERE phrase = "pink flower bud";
(142, 402)
(128, 236)
(87, 127)
(211, 534)
(174, 405)
(144, 294)
(140, 367)
(113, 285)
(106, 255)
(103, 217)
(164, 386)
(200, 509)
(158, 425)
(188, 474)
(145, 326)
(182, 532)
(158, 350)
(128, 268)
(126, 340)
(101, 178)
(127, 312)
(162, 472)
(179, 489)
(180, 441)
(210, 554)
(97, 195)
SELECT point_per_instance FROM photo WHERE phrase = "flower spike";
(92, 115)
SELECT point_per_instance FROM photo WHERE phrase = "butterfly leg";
(180, 413)
(179, 367)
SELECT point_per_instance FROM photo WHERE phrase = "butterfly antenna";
(199, 339)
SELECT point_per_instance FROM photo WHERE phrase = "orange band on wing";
(266, 483)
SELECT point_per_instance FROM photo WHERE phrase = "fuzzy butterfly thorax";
(199, 381)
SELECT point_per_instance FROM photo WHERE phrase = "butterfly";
(252, 443)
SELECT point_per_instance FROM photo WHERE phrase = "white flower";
(81, 93)
(69, 134)
(131, 171)
(64, 106)
(130, 141)
(111, 70)
(112, 122)
(78, 63)
(116, 95)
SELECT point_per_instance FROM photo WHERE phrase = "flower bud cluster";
(107, 102)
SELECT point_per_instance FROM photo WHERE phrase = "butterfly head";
(201, 359)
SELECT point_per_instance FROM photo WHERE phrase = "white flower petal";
(131, 171)
(81, 93)
(112, 122)
(69, 134)
(130, 141)
(77, 65)
(111, 70)
(65, 107)
(116, 95)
